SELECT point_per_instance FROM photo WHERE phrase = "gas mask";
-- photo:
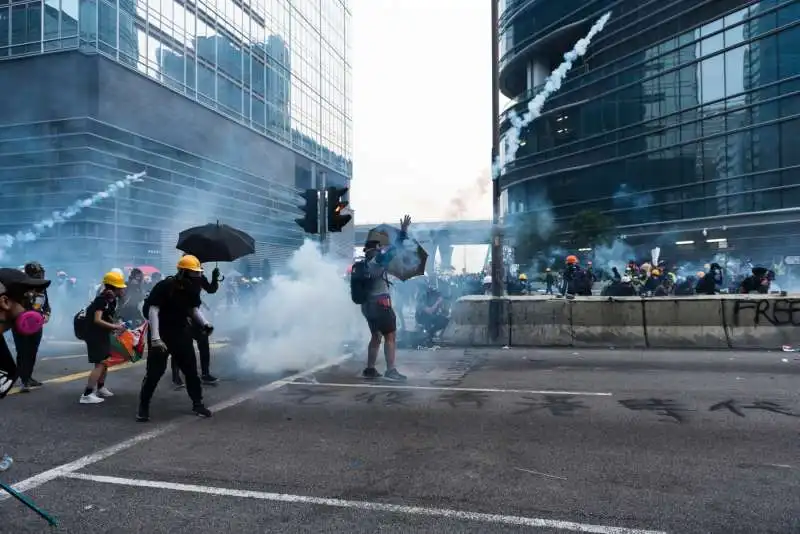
(30, 319)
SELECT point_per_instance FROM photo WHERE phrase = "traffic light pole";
(323, 220)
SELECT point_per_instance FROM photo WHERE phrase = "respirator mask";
(31, 320)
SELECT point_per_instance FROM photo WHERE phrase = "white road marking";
(80, 463)
(444, 388)
(496, 519)
(70, 357)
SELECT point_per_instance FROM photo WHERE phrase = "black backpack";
(80, 324)
(360, 282)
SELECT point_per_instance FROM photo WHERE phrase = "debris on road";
(538, 473)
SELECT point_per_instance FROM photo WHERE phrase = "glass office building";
(682, 118)
(231, 107)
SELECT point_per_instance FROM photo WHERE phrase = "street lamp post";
(495, 309)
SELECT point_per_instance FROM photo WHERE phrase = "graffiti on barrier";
(738, 408)
(775, 312)
(558, 405)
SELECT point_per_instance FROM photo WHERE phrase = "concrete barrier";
(702, 322)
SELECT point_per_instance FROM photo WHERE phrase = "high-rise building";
(679, 123)
(231, 107)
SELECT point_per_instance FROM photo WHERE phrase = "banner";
(128, 346)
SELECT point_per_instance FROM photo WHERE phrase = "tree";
(591, 228)
(533, 238)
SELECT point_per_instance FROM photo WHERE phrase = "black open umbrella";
(216, 242)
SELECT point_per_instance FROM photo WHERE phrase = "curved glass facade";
(680, 110)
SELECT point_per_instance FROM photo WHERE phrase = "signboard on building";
(792, 260)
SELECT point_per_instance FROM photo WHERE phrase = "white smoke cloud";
(552, 85)
(305, 316)
(60, 217)
(617, 254)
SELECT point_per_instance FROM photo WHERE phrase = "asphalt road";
(476, 441)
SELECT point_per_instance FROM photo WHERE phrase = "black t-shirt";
(105, 302)
(175, 303)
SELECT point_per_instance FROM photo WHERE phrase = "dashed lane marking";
(445, 388)
(76, 465)
(444, 513)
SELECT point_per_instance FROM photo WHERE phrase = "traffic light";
(310, 221)
(336, 219)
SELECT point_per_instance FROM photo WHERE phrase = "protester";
(101, 323)
(370, 288)
(170, 307)
(27, 346)
(18, 292)
(201, 337)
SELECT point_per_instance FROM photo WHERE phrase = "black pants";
(27, 349)
(203, 347)
(180, 347)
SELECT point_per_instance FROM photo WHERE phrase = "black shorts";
(98, 351)
(381, 319)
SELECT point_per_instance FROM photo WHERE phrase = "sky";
(421, 109)
(422, 113)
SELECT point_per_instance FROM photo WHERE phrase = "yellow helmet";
(114, 279)
(189, 263)
(523, 276)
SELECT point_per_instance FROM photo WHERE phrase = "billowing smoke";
(552, 85)
(59, 217)
(617, 254)
(472, 202)
(625, 197)
(304, 318)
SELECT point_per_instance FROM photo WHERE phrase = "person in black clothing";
(101, 322)
(28, 346)
(17, 294)
(758, 282)
(201, 337)
(709, 284)
(431, 314)
(131, 305)
(171, 306)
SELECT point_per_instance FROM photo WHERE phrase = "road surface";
(477, 441)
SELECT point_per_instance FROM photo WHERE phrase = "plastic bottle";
(6, 462)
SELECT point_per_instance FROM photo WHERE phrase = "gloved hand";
(208, 329)
(6, 383)
(215, 274)
(158, 345)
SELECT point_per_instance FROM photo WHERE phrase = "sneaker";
(371, 372)
(143, 415)
(209, 379)
(394, 375)
(24, 388)
(91, 398)
(177, 383)
(201, 411)
(34, 383)
(104, 392)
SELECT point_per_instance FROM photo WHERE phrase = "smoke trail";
(625, 197)
(473, 201)
(552, 85)
(60, 217)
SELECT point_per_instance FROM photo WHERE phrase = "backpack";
(80, 324)
(360, 283)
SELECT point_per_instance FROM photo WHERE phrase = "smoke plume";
(304, 318)
(625, 197)
(473, 201)
(552, 85)
(60, 217)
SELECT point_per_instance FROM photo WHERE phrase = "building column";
(537, 73)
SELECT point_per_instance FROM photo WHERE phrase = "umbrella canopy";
(411, 257)
(147, 270)
(216, 242)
